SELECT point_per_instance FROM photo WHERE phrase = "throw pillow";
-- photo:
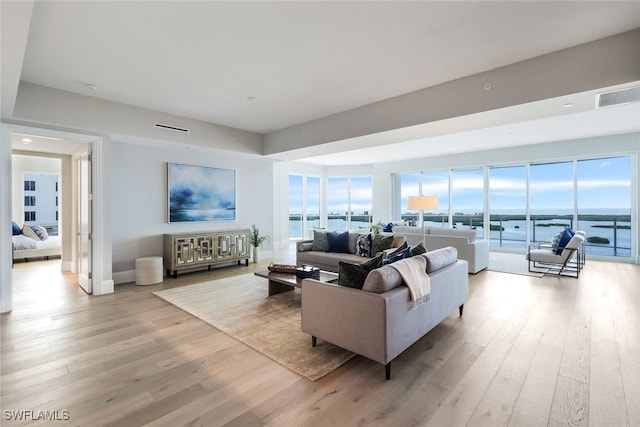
(40, 231)
(388, 228)
(338, 242)
(556, 240)
(320, 241)
(567, 234)
(354, 275)
(28, 231)
(364, 245)
(418, 249)
(380, 243)
(15, 229)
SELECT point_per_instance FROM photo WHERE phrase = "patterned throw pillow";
(40, 231)
(320, 241)
(556, 240)
(381, 243)
(354, 275)
(364, 245)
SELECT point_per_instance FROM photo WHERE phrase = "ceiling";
(264, 66)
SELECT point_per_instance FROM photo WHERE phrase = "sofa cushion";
(401, 252)
(384, 279)
(320, 241)
(353, 241)
(305, 246)
(440, 258)
(469, 233)
(353, 275)
(381, 243)
(338, 242)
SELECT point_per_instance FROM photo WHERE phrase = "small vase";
(256, 254)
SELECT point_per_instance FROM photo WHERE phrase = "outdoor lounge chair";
(546, 257)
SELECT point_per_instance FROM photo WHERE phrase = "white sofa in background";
(475, 252)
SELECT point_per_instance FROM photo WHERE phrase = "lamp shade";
(423, 203)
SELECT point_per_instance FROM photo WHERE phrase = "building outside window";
(41, 200)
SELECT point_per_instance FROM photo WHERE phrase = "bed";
(25, 247)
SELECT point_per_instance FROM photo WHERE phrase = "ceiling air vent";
(618, 97)
(169, 127)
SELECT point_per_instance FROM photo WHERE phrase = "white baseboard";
(66, 266)
(120, 277)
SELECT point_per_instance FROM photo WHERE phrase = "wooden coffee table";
(283, 282)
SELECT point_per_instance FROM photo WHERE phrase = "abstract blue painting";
(199, 193)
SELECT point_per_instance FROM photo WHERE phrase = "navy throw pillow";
(15, 229)
(339, 242)
(564, 239)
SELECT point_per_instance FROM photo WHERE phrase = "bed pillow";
(15, 229)
(28, 231)
(40, 231)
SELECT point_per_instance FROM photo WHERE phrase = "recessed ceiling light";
(27, 140)
(91, 86)
(251, 98)
(487, 86)
(567, 105)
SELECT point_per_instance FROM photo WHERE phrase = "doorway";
(100, 259)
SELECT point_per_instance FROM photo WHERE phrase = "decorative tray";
(282, 268)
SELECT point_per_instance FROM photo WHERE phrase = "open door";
(84, 220)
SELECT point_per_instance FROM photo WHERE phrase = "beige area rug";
(239, 306)
(512, 264)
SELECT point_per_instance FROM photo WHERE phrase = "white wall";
(139, 208)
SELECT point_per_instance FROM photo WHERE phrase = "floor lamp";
(423, 203)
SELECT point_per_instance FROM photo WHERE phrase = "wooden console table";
(207, 248)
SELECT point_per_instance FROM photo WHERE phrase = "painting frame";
(200, 193)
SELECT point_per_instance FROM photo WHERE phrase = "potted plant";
(377, 228)
(256, 241)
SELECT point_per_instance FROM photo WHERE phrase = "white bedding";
(26, 247)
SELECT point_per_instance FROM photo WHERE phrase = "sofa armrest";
(304, 245)
(349, 318)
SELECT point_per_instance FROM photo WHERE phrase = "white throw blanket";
(416, 279)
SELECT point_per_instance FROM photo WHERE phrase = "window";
(313, 203)
(29, 185)
(593, 195)
(29, 200)
(468, 199)
(437, 184)
(295, 205)
(361, 202)
(508, 207)
(550, 199)
(604, 205)
(337, 203)
(29, 216)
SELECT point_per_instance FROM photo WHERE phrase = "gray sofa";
(329, 261)
(470, 249)
(378, 322)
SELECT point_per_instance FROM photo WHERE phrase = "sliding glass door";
(551, 199)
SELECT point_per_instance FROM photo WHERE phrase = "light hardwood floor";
(527, 352)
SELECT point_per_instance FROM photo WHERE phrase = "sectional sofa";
(470, 249)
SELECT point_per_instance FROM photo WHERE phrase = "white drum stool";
(149, 270)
